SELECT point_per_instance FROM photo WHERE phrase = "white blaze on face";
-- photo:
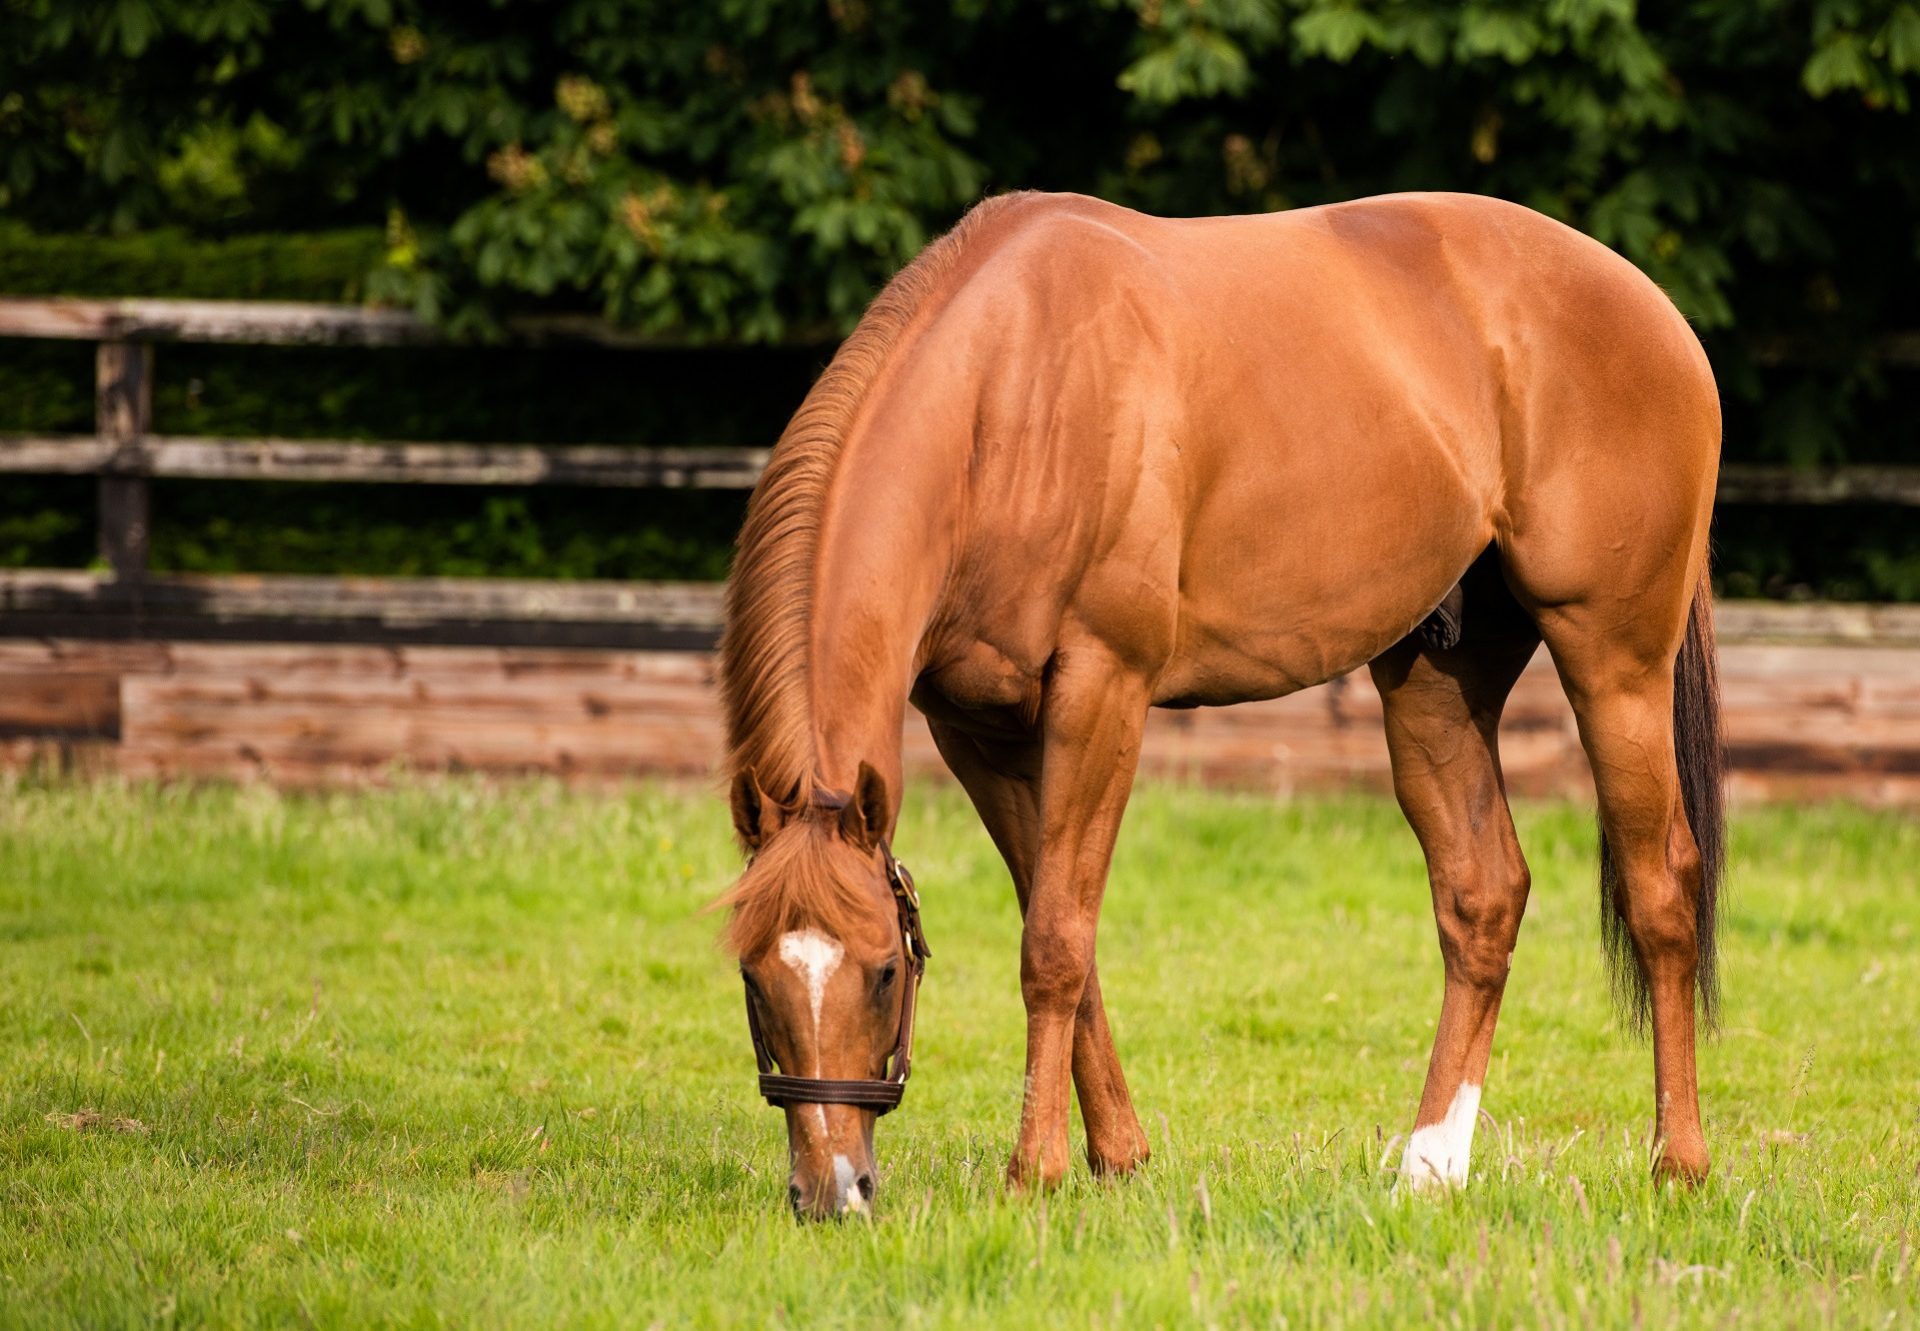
(814, 957)
(1437, 1154)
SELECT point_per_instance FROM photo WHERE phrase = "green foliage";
(26, 535)
(746, 170)
(750, 171)
(399, 531)
(734, 171)
(464, 1053)
(46, 387)
(329, 266)
(1702, 141)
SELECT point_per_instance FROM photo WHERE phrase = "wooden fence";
(126, 455)
(1805, 718)
(127, 667)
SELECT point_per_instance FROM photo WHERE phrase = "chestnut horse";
(1077, 462)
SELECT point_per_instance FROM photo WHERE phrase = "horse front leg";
(1115, 1142)
(1091, 724)
(1001, 776)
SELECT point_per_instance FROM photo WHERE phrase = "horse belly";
(1280, 591)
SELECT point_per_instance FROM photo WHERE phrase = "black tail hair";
(1701, 754)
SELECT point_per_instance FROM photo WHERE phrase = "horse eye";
(887, 973)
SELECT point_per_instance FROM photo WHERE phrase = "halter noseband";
(879, 1094)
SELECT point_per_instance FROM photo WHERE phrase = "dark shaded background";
(743, 175)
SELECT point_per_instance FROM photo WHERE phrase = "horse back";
(1253, 452)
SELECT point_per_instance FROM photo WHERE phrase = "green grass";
(467, 1055)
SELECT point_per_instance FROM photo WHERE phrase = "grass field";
(468, 1055)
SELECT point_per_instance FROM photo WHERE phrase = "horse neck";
(889, 526)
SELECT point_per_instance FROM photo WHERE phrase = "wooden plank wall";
(1803, 721)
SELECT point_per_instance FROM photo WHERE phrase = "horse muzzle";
(845, 1188)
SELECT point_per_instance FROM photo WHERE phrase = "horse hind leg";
(1002, 778)
(1442, 709)
(1658, 890)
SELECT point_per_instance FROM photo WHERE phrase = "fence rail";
(67, 603)
(125, 455)
(700, 466)
(175, 456)
(288, 323)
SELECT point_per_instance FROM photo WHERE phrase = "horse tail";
(1701, 755)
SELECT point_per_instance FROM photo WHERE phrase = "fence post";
(123, 389)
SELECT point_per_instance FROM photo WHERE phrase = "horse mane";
(763, 655)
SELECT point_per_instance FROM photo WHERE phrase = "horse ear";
(755, 816)
(864, 820)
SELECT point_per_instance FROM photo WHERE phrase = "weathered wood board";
(698, 467)
(1804, 721)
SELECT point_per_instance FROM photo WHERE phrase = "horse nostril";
(793, 1195)
(865, 1186)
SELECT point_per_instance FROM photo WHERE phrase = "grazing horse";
(1077, 462)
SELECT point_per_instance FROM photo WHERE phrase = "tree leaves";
(747, 168)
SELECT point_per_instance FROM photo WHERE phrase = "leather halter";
(880, 1094)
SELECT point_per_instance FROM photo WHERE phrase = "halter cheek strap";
(880, 1094)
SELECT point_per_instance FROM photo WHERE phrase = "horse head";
(827, 931)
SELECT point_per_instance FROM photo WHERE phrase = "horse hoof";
(1688, 1171)
(1118, 1163)
(1025, 1175)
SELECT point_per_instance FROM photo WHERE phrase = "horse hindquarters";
(1611, 445)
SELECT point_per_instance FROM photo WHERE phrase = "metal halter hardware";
(879, 1094)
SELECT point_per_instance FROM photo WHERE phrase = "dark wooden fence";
(125, 455)
(133, 601)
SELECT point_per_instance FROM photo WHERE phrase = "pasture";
(467, 1054)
